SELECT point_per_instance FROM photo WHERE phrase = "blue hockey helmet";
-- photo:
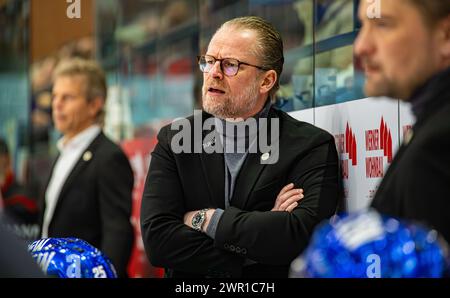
(366, 244)
(71, 258)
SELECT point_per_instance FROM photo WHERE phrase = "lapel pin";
(87, 156)
(210, 143)
(265, 156)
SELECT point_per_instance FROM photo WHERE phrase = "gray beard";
(233, 107)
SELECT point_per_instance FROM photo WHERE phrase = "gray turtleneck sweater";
(236, 147)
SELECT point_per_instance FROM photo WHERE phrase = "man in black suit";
(88, 195)
(237, 204)
(406, 54)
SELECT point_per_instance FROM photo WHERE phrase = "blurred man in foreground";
(405, 53)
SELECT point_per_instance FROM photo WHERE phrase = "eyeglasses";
(229, 66)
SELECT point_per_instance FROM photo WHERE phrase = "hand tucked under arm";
(288, 198)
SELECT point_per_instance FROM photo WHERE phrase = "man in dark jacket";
(237, 212)
(405, 53)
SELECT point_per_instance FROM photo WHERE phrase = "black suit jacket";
(95, 203)
(417, 184)
(178, 183)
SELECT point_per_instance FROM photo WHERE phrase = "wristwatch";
(199, 219)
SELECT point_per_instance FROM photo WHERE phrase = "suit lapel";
(213, 166)
(214, 170)
(251, 169)
(247, 178)
(42, 204)
(85, 158)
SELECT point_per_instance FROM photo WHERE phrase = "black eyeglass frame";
(239, 63)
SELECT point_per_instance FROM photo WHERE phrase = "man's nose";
(56, 102)
(363, 45)
(216, 70)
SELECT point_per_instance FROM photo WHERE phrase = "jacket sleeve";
(167, 240)
(274, 237)
(115, 197)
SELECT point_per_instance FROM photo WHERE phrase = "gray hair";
(93, 74)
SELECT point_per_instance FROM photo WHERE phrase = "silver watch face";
(197, 220)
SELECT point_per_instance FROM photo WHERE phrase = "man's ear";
(444, 27)
(96, 105)
(270, 78)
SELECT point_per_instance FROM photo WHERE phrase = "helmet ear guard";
(71, 258)
(370, 245)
